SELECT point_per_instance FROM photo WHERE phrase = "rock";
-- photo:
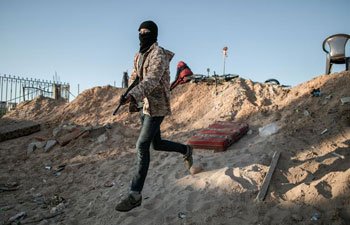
(69, 128)
(49, 145)
(60, 207)
(39, 144)
(102, 138)
(297, 217)
(57, 131)
(53, 210)
(268, 130)
(17, 216)
(31, 148)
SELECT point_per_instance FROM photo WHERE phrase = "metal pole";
(78, 89)
(1, 89)
(31, 85)
(11, 80)
(224, 66)
(7, 81)
(68, 89)
(224, 53)
(24, 96)
(16, 90)
(216, 84)
(20, 88)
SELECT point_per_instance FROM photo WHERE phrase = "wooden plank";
(267, 179)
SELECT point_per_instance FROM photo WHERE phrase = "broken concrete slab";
(49, 145)
(65, 139)
(18, 129)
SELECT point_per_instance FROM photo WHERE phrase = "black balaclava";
(147, 39)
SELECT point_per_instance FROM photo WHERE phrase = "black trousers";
(150, 135)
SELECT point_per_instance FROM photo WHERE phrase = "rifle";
(122, 98)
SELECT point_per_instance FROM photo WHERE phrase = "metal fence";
(14, 90)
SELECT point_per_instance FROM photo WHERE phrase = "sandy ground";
(310, 181)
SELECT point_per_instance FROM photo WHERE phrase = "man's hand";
(128, 99)
(124, 100)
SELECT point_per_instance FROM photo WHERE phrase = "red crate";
(219, 136)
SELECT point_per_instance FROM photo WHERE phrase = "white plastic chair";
(336, 53)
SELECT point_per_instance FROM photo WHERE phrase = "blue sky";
(92, 43)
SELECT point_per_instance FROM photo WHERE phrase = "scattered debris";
(268, 130)
(17, 217)
(31, 148)
(315, 217)
(326, 99)
(39, 201)
(338, 155)
(181, 215)
(58, 208)
(345, 100)
(10, 187)
(109, 184)
(249, 132)
(108, 126)
(306, 113)
(48, 167)
(55, 200)
(58, 170)
(324, 131)
(35, 145)
(316, 92)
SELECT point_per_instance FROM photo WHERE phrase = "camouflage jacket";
(154, 86)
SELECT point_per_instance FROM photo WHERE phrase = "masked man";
(151, 66)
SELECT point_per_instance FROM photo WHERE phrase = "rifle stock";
(122, 98)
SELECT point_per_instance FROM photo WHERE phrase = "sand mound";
(311, 177)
